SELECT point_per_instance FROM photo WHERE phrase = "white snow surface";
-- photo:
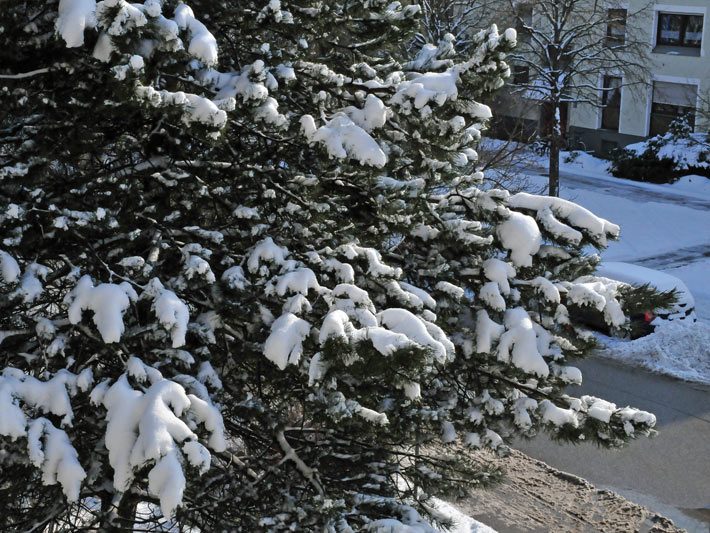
(677, 348)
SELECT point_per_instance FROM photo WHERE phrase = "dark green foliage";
(691, 156)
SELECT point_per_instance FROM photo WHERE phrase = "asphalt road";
(669, 473)
(579, 179)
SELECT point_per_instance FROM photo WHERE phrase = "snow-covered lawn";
(658, 230)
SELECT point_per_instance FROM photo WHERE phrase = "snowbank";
(462, 523)
(692, 184)
(678, 349)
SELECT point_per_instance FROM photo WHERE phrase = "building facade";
(672, 40)
(678, 37)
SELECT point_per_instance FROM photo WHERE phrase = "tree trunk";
(555, 146)
(554, 182)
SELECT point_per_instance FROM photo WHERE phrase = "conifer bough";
(250, 279)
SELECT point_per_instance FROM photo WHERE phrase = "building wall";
(670, 67)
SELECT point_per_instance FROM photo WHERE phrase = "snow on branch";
(344, 139)
(57, 458)
(147, 428)
(74, 17)
(549, 209)
(108, 302)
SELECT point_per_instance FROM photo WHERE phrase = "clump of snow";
(234, 278)
(284, 345)
(487, 332)
(266, 250)
(172, 313)
(437, 87)
(74, 17)
(373, 114)
(108, 303)
(146, 427)
(451, 290)
(203, 45)
(418, 330)
(520, 234)
(598, 408)
(599, 293)
(56, 457)
(343, 139)
(298, 281)
(9, 269)
(519, 343)
(491, 295)
(557, 416)
(550, 209)
(372, 416)
(500, 272)
(195, 108)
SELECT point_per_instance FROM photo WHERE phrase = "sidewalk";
(536, 498)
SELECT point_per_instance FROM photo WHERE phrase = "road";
(641, 192)
(676, 258)
(669, 473)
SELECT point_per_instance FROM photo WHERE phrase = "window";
(523, 17)
(670, 102)
(616, 27)
(679, 30)
(521, 75)
(611, 102)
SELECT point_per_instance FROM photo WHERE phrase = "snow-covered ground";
(664, 227)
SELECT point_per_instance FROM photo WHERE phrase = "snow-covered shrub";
(665, 158)
(258, 287)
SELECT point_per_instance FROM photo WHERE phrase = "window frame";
(679, 110)
(517, 71)
(685, 18)
(606, 92)
(615, 20)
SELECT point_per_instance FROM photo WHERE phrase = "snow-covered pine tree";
(261, 289)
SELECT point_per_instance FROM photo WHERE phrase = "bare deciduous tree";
(567, 47)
